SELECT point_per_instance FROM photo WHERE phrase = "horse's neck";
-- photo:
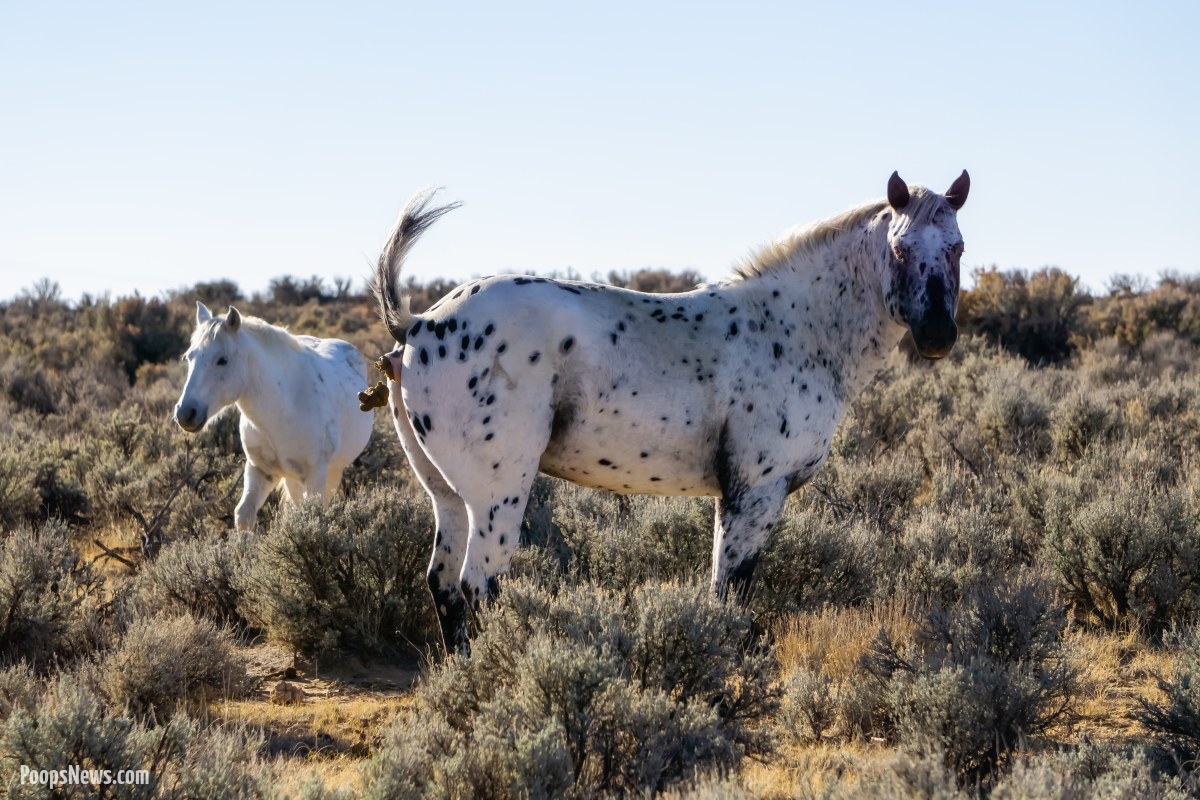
(265, 400)
(837, 290)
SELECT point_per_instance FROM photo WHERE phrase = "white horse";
(300, 424)
(731, 391)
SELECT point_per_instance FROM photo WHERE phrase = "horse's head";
(921, 281)
(216, 373)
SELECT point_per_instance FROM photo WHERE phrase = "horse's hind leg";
(293, 490)
(450, 535)
(333, 480)
(495, 509)
(315, 481)
(449, 550)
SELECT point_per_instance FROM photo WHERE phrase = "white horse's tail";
(414, 219)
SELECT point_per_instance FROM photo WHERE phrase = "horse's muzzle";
(935, 338)
(190, 417)
(936, 333)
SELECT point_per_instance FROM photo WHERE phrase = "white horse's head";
(216, 371)
(921, 282)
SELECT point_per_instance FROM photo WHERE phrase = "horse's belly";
(630, 465)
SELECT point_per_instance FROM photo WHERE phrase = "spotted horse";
(730, 391)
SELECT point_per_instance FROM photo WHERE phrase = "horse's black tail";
(414, 219)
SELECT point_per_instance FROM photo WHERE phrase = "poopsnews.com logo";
(75, 775)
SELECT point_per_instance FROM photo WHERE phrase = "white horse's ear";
(956, 195)
(233, 319)
(203, 315)
(897, 191)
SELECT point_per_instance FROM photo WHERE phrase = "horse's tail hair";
(394, 307)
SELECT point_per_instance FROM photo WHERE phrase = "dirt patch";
(308, 709)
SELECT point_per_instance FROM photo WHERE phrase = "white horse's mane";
(789, 249)
(272, 334)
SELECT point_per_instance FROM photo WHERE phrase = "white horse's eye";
(222, 361)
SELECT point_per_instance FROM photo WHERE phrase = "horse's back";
(612, 385)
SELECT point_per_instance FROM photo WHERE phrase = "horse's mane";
(273, 334)
(790, 249)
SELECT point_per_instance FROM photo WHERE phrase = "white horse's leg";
(293, 490)
(333, 480)
(312, 485)
(256, 486)
(744, 520)
(314, 481)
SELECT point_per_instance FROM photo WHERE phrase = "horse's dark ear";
(203, 315)
(956, 195)
(897, 191)
(233, 319)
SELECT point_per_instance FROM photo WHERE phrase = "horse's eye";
(222, 361)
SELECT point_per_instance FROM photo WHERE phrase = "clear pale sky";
(152, 145)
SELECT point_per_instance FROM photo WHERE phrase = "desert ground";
(988, 590)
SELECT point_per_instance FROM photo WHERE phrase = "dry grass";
(339, 773)
(811, 770)
(119, 538)
(330, 726)
(319, 726)
(1116, 672)
(834, 640)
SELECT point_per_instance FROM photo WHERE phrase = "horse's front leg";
(256, 486)
(744, 519)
